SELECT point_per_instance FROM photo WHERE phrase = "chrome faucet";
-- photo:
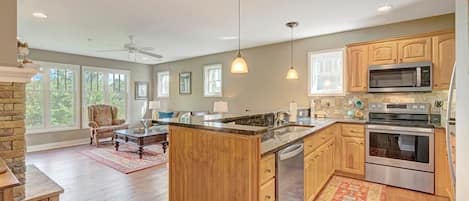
(281, 118)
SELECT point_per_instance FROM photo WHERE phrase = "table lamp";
(220, 107)
(154, 106)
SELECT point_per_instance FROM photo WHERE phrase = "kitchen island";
(233, 157)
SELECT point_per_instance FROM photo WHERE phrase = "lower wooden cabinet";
(267, 192)
(319, 166)
(353, 155)
(267, 178)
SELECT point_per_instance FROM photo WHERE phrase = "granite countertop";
(272, 142)
(39, 186)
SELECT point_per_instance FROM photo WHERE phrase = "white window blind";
(163, 84)
(326, 72)
(213, 80)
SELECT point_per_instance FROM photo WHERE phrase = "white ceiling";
(179, 29)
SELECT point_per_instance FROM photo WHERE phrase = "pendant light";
(239, 65)
(292, 74)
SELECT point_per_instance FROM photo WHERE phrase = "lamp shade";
(220, 106)
(239, 65)
(154, 105)
(292, 74)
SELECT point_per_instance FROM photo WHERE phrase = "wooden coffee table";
(142, 137)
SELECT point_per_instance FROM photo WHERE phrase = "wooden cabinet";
(353, 155)
(319, 166)
(443, 60)
(267, 178)
(352, 149)
(442, 175)
(382, 53)
(267, 191)
(415, 50)
(357, 65)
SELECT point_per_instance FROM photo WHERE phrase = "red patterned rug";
(126, 160)
(345, 189)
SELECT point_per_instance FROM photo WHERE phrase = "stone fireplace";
(12, 126)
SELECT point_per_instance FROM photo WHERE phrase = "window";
(51, 99)
(213, 80)
(163, 84)
(326, 72)
(105, 86)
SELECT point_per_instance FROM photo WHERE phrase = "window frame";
(46, 114)
(159, 85)
(206, 81)
(344, 73)
(106, 72)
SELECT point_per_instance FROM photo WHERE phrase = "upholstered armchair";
(103, 122)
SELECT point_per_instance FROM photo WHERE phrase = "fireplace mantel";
(15, 74)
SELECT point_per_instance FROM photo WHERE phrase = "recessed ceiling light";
(39, 15)
(228, 38)
(385, 8)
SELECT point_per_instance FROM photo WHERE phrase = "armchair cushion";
(107, 129)
(103, 116)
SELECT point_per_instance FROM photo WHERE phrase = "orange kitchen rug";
(345, 189)
(126, 160)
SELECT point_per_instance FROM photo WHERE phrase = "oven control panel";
(409, 108)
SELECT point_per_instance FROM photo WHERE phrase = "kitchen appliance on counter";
(400, 146)
(290, 173)
(400, 77)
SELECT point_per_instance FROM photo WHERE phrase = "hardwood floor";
(87, 180)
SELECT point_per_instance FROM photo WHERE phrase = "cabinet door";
(353, 155)
(383, 53)
(443, 60)
(357, 64)
(311, 176)
(415, 50)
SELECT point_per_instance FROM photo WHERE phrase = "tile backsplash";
(337, 106)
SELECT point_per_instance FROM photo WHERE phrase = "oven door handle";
(290, 151)
(419, 77)
(400, 128)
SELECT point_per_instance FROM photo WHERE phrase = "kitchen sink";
(291, 129)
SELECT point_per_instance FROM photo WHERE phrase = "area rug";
(344, 189)
(126, 160)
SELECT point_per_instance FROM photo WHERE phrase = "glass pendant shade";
(292, 74)
(239, 65)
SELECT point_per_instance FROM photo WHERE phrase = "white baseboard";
(56, 145)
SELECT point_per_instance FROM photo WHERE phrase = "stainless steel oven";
(400, 77)
(400, 147)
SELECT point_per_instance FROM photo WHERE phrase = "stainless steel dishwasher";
(290, 173)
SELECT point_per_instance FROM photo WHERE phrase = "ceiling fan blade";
(150, 54)
(116, 50)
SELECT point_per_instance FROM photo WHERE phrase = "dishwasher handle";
(290, 151)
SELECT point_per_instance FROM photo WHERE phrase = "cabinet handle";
(267, 197)
(361, 143)
(395, 60)
(401, 60)
(268, 170)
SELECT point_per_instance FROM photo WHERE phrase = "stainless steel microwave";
(406, 77)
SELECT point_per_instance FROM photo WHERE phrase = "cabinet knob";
(395, 60)
(267, 197)
(401, 60)
(268, 170)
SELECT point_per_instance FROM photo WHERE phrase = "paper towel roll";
(293, 111)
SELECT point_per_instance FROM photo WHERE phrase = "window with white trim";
(213, 82)
(163, 84)
(52, 101)
(326, 72)
(105, 86)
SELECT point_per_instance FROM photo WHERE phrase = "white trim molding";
(56, 145)
(17, 74)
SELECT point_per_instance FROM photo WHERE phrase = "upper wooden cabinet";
(383, 53)
(415, 50)
(357, 62)
(443, 60)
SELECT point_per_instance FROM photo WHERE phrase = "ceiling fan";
(133, 48)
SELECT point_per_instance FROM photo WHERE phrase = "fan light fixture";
(385, 8)
(292, 74)
(239, 64)
(39, 15)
